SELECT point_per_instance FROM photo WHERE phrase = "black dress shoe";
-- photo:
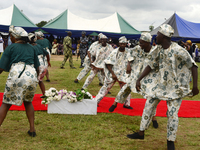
(112, 108)
(109, 92)
(155, 123)
(32, 134)
(170, 145)
(76, 81)
(62, 68)
(128, 107)
(100, 84)
(48, 80)
(135, 135)
(43, 96)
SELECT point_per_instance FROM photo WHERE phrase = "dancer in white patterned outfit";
(171, 67)
(98, 65)
(137, 61)
(115, 71)
(21, 61)
(87, 61)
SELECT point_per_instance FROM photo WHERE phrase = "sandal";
(32, 134)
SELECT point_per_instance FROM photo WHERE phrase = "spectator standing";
(67, 47)
(83, 47)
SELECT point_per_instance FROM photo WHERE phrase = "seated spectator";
(54, 47)
(60, 48)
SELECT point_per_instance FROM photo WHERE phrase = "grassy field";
(103, 131)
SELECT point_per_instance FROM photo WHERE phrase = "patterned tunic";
(101, 54)
(119, 61)
(172, 73)
(138, 59)
(67, 51)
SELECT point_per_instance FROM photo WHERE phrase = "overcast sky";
(139, 13)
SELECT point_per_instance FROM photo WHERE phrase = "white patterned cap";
(103, 36)
(39, 33)
(30, 35)
(166, 30)
(123, 39)
(145, 36)
(17, 32)
(99, 35)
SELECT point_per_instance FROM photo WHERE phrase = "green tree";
(151, 27)
(41, 23)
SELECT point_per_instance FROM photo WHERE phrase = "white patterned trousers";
(173, 107)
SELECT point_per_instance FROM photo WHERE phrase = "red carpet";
(189, 109)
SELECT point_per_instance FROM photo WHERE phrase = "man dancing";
(137, 61)
(171, 66)
(101, 54)
(115, 71)
(90, 59)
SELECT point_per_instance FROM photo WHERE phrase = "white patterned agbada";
(172, 79)
(119, 61)
(138, 59)
(87, 63)
(101, 54)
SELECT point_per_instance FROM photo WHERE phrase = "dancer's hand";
(128, 70)
(138, 85)
(114, 77)
(49, 64)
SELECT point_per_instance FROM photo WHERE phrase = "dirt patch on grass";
(59, 57)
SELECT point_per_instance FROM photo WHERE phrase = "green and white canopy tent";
(13, 16)
(113, 25)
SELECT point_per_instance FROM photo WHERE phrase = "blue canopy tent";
(183, 29)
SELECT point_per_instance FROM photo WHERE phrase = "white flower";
(65, 97)
(83, 91)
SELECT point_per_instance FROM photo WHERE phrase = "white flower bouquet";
(53, 95)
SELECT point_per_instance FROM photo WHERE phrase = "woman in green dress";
(21, 61)
(42, 55)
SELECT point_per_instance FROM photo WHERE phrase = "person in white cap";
(101, 54)
(87, 61)
(170, 66)
(21, 61)
(115, 71)
(137, 61)
(45, 44)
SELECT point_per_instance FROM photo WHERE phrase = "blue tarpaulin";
(183, 29)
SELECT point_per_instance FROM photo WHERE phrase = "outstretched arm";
(48, 60)
(195, 89)
(146, 71)
(89, 55)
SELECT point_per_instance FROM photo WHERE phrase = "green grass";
(104, 131)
